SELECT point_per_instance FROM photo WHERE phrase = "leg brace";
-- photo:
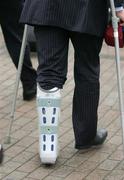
(48, 103)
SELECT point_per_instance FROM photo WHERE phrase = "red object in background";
(109, 36)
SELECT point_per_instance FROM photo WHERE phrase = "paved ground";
(21, 156)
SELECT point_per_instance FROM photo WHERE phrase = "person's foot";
(29, 92)
(1, 154)
(98, 140)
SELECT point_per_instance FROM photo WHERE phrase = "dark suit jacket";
(87, 16)
(10, 9)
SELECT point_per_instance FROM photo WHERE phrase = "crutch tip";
(7, 140)
(1, 154)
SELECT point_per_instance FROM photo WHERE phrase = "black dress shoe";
(1, 154)
(98, 140)
(29, 91)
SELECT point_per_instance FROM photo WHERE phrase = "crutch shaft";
(120, 94)
(117, 55)
(21, 58)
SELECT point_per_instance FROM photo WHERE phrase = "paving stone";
(7, 145)
(116, 125)
(19, 134)
(87, 167)
(121, 166)
(63, 130)
(31, 114)
(109, 117)
(15, 128)
(28, 167)
(67, 152)
(67, 137)
(34, 148)
(1, 175)
(3, 123)
(23, 157)
(16, 175)
(25, 108)
(98, 157)
(108, 148)
(75, 161)
(62, 171)
(32, 125)
(53, 178)
(22, 121)
(117, 140)
(115, 175)
(9, 167)
(29, 179)
(14, 150)
(26, 141)
(97, 174)
(108, 164)
(110, 136)
(40, 173)
(35, 134)
(75, 176)
(117, 155)
(6, 158)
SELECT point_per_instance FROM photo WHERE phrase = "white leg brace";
(48, 103)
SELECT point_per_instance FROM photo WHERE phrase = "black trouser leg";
(13, 33)
(86, 93)
(52, 47)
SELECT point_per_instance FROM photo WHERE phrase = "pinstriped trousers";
(52, 46)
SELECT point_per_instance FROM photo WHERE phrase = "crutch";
(21, 58)
(117, 58)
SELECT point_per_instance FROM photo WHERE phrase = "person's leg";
(13, 33)
(52, 46)
(86, 93)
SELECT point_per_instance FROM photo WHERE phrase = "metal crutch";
(117, 57)
(21, 58)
